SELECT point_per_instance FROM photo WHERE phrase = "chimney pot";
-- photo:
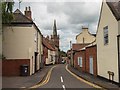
(28, 12)
(29, 8)
(25, 8)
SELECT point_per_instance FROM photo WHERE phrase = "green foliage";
(7, 15)
(63, 54)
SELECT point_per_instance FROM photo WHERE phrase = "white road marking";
(61, 79)
(22, 87)
(63, 87)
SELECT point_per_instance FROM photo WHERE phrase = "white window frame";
(80, 61)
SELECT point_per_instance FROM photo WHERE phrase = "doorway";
(36, 53)
(91, 65)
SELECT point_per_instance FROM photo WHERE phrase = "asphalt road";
(60, 78)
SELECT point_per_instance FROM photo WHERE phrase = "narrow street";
(61, 78)
(60, 44)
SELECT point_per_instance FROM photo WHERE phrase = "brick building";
(85, 53)
(91, 59)
(85, 59)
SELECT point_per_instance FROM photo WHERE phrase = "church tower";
(55, 37)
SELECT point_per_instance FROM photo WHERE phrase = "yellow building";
(107, 46)
(85, 36)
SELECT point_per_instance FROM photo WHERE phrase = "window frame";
(105, 35)
(80, 61)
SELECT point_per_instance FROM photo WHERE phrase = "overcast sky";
(70, 17)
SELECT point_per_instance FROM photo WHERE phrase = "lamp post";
(19, 3)
(71, 59)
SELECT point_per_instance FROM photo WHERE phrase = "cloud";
(70, 17)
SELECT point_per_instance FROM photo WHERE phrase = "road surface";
(59, 77)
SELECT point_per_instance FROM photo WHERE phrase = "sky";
(70, 17)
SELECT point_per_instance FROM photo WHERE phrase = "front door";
(91, 65)
(36, 61)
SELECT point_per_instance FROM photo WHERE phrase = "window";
(105, 35)
(80, 61)
(51, 58)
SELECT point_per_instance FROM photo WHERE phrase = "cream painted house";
(85, 36)
(51, 57)
(49, 52)
(22, 40)
(107, 46)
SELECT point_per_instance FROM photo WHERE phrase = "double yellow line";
(89, 83)
(46, 79)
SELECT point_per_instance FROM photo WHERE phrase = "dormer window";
(105, 30)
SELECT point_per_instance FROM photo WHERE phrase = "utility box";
(24, 70)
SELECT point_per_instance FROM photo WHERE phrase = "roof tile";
(47, 44)
(19, 17)
(115, 8)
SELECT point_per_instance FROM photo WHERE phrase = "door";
(42, 62)
(36, 61)
(91, 64)
(119, 57)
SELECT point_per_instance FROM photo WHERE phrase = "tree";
(7, 15)
(63, 54)
(6, 8)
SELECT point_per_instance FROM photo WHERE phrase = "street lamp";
(71, 60)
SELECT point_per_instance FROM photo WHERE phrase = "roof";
(92, 44)
(89, 45)
(19, 17)
(87, 30)
(76, 47)
(47, 44)
(115, 8)
(69, 52)
(94, 35)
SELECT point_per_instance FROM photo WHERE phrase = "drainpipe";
(85, 60)
(70, 53)
(118, 57)
(37, 41)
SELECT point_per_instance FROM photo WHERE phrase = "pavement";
(59, 78)
(25, 81)
(96, 80)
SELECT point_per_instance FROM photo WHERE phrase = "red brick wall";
(78, 46)
(79, 54)
(45, 53)
(91, 51)
(12, 67)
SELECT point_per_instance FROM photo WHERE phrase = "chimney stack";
(28, 12)
(47, 37)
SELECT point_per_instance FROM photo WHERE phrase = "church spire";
(55, 28)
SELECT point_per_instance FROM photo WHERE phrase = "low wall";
(11, 67)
